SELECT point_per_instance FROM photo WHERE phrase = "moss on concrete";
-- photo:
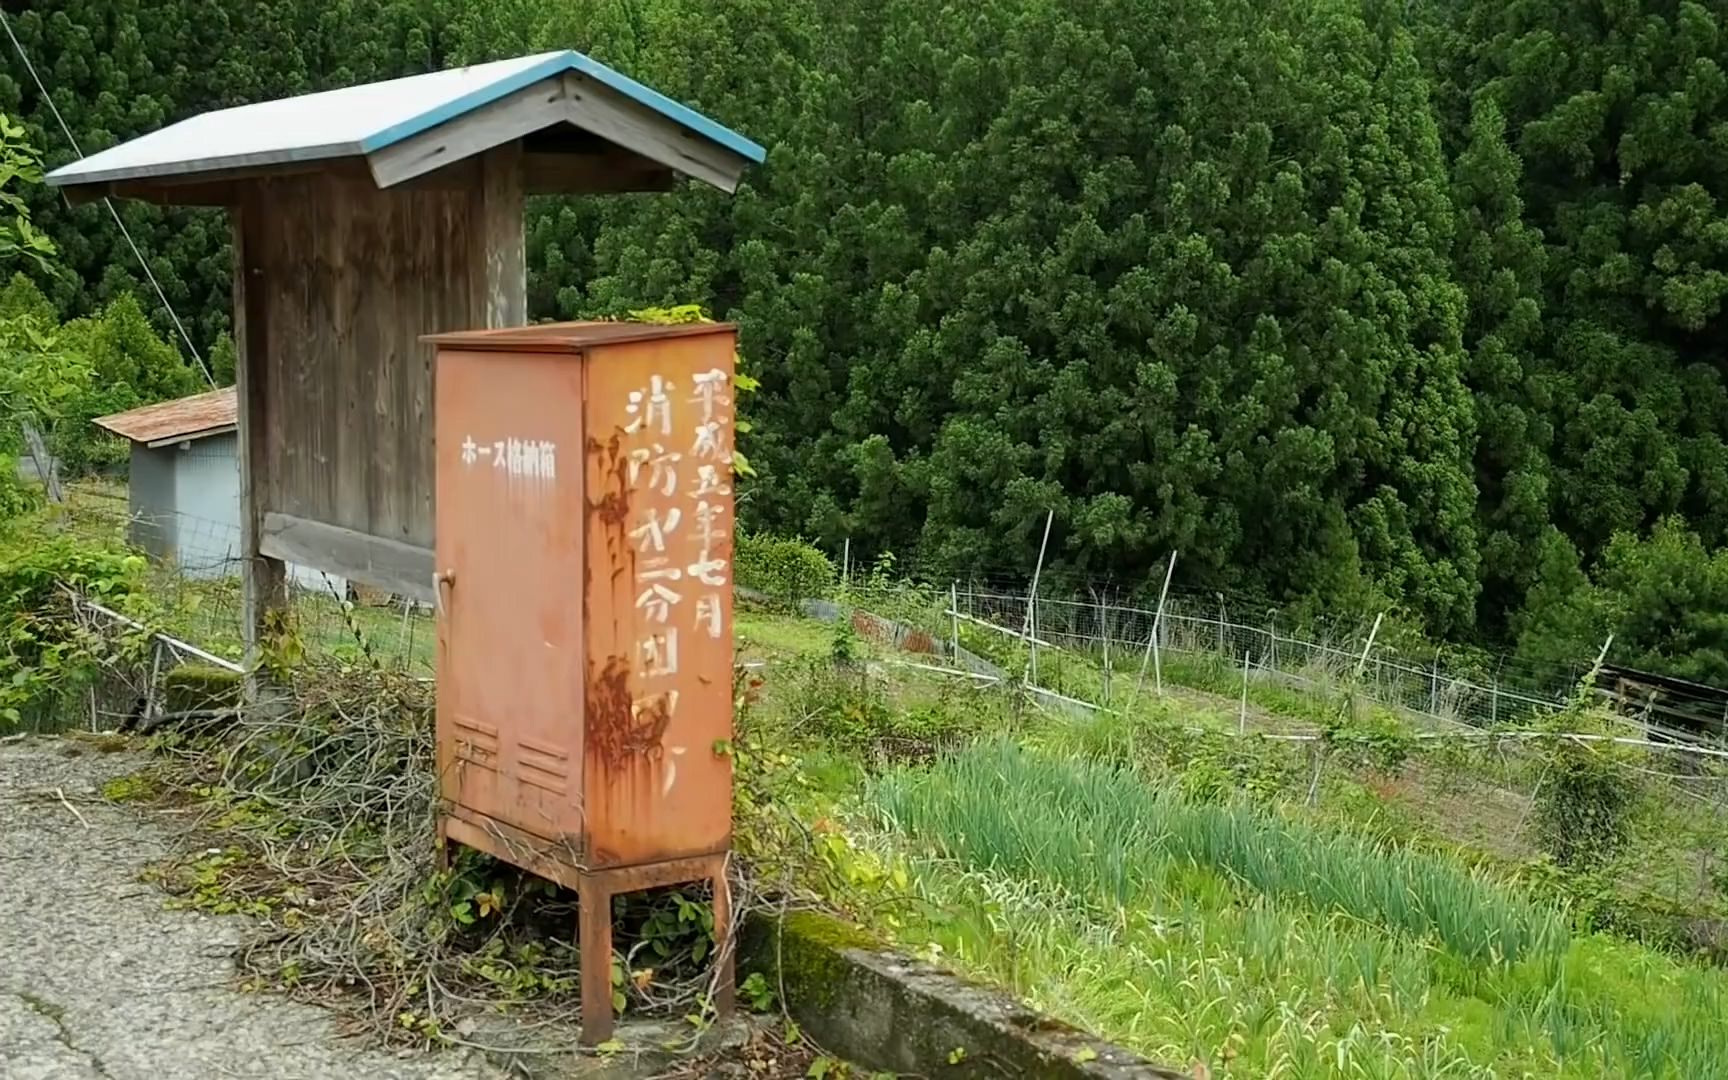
(801, 953)
(193, 687)
(866, 1003)
(824, 929)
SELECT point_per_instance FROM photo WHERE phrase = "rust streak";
(618, 729)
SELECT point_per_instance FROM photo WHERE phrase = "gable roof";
(195, 417)
(363, 120)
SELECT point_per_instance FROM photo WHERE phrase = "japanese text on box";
(532, 459)
(678, 467)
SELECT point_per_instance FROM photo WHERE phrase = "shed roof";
(363, 120)
(195, 417)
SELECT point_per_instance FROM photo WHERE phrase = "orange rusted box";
(584, 578)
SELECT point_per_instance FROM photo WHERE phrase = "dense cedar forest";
(1357, 304)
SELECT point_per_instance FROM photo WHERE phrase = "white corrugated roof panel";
(356, 120)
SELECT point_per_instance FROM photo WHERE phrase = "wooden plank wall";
(347, 278)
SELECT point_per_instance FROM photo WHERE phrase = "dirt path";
(98, 979)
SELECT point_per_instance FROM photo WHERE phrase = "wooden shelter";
(1668, 708)
(365, 218)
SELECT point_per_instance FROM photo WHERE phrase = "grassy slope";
(1243, 938)
(1265, 942)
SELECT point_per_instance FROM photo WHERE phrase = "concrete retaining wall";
(884, 1011)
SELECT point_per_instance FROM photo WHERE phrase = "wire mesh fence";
(1475, 764)
(194, 582)
(1200, 628)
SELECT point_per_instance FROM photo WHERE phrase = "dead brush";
(317, 813)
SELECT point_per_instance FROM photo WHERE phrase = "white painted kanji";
(651, 534)
(657, 570)
(650, 407)
(673, 753)
(665, 699)
(707, 442)
(709, 527)
(710, 572)
(662, 468)
(711, 392)
(655, 602)
(709, 614)
(660, 654)
(710, 482)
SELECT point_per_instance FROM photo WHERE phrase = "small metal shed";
(183, 490)
(365, 218)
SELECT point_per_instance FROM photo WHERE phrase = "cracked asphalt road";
(99, 980)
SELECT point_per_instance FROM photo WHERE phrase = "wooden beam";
(598, 174)
(264, 582)
(208, 193)
(500, 262)
(401, 568)
(228, 187)
(213, 193)
(596, 107)
(505, 120)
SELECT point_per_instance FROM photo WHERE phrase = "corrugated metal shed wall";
(206, 483)
(151, 499)
(207, 496)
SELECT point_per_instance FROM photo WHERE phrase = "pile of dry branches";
(317, 812)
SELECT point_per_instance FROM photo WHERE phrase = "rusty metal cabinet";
(583, 573)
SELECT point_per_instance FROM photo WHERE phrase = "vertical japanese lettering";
(677, 458)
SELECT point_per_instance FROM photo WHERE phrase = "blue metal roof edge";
(674, 110)
(569, 60)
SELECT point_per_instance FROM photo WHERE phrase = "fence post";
(1434, 688)
(1273, 634)
(1366, 649)
(1242, 714)
(47, 467)
(1104, 632)
(846, 564)
(1031, 673)
(148, 720)
(954, 613)
(1152, 640)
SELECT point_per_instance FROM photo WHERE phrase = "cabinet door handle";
(442, 580)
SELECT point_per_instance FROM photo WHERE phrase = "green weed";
(1248, 940)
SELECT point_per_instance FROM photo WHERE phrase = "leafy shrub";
(17, 496)
(788, 571)
(1369, 738)
(129, 366)
(848, 709)
(1585, 802)
(46, 654)
(1585, 806)
(845, 649)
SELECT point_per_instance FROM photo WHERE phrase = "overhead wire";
(144, 263)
